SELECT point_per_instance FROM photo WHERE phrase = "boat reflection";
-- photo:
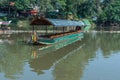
(44, 62)
(69, 62)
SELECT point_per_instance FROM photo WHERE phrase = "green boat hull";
(67, 38)
(59, 45)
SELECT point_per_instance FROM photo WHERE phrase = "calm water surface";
(95, 57)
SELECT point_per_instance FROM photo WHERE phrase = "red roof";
(34, 12)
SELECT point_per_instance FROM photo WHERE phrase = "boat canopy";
(56, 22)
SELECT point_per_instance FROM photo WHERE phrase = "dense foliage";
(102, 10)
(110, 11)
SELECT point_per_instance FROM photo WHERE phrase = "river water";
(95, 57)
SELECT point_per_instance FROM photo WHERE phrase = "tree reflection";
(109, 43)
(12, 57)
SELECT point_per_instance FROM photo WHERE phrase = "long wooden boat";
(63, 31)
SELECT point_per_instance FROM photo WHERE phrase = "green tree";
(111, 10)
(22, 4)
(73, 6)
(87, 9)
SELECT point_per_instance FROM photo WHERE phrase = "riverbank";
(25, 31)
(40, 31)
(102, 31)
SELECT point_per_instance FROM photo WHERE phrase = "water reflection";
(110, 44)
(66, 63)
(47, 60)
(12, 56)
(72, 67)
